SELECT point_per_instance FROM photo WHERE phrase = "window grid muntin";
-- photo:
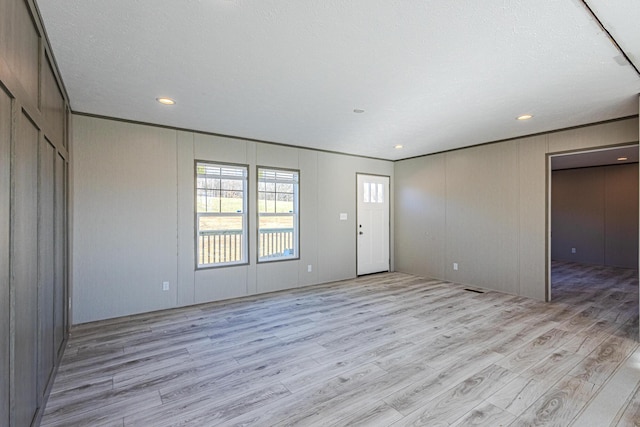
(230, 245)
(281, 187)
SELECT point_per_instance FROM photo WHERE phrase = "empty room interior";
(322, 213)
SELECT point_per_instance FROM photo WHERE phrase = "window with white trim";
(221, 214)
(278, 214)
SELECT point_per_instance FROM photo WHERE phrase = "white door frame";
(388, 225)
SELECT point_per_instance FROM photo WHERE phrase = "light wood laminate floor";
(387, 349)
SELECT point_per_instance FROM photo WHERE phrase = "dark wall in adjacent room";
(595, 211)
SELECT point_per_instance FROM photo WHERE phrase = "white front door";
(373, 224)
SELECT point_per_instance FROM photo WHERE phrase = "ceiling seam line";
(613, 40)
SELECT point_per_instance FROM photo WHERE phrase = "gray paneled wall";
(485, 209)
(134, 218)
(5, 303)
(24, 269)
(33, 215)
(595, 211)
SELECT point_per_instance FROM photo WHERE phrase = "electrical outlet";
(455, 265)
(165, 286)
(573, 250)
(309, 268)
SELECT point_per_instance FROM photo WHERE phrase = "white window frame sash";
(244, 214)
(295, 214)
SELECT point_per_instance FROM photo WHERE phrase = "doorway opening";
(593, 233)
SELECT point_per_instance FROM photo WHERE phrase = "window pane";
(277, 209)
(212, 183)
(380, 194)
(232, 201)
(218, 223)
(284, 203)
(266, 202)
(276, 237)
(277, 221)
(213, 201)
(284, 188)
(374, 193)
(366, 192)
(231, 184)
(220, 203)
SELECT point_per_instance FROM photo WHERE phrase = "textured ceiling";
(432, 75)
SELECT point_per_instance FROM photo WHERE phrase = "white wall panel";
(496, 208)
(109, 160)
(336, 195)
(125, 201)
(532, 228)
(271, 155)
(308, 218)
(215, 284)
(420, 216)
(220, 149)
(336, 238)
(482, 216)
(252, 228)
(276, 276)
(186, 218)
(612, 133)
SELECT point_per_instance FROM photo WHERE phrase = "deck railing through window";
(218, 246)
(275, 242)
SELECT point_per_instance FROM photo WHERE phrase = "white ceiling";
(432, 75)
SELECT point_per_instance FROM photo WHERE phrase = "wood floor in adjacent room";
(387, 349)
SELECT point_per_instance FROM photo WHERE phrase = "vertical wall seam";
(547, 222)
(12, 293)
(38, 263)
(178, 284)
(446, 217)
(248, 213)
(519, 207)
(193, 228)
(605, 174)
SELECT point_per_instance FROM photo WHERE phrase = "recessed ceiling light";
(358, 110)
(398, 146)
(524, 117)
(166, 101)
(622, 158)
